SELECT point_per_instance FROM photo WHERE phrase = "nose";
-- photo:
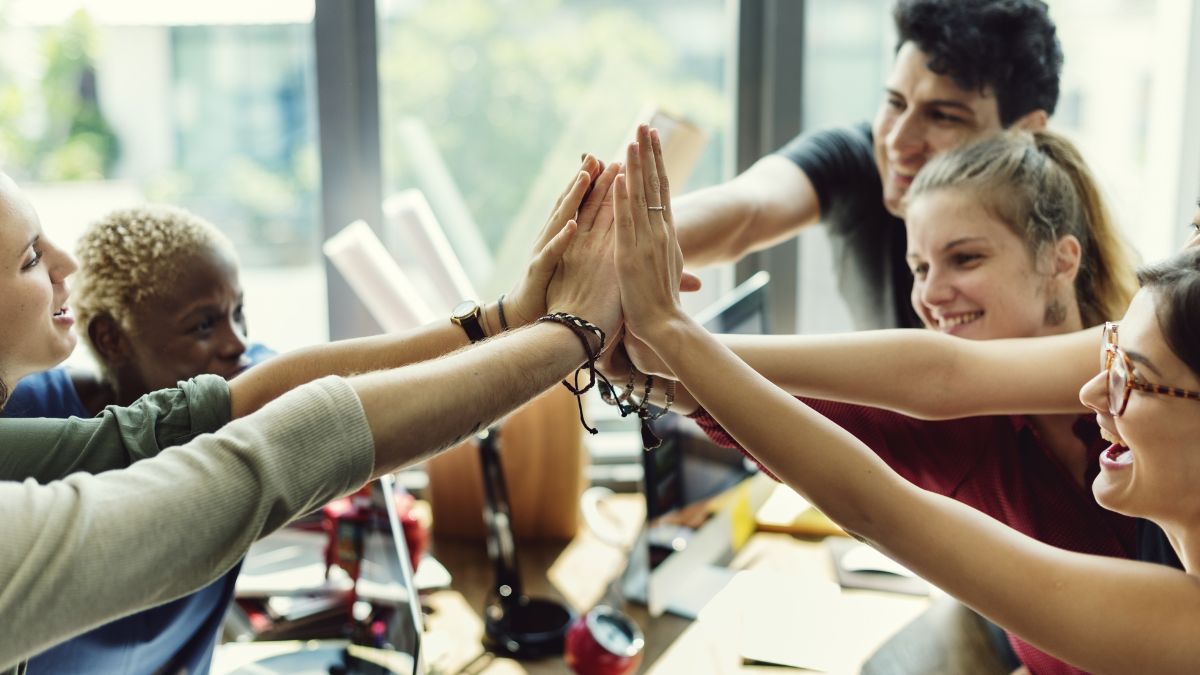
(936, 289)
(906, 137)
(1094, 393)
(62, 264)
(233, 341)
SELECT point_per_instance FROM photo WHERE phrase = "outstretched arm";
(929, 375)
(92, 548)
(583, 200)
(919, 373)
(1102, 614)
(764, 205)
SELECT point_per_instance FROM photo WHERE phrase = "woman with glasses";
(1007, 238)
(1100, 613)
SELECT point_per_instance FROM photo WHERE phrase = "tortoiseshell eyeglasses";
(1122, 378)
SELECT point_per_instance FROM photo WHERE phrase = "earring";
(1056, 313)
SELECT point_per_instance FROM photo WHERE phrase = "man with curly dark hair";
(963, 69)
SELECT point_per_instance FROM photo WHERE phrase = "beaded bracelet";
(670, 399)
(609, 395)
(650, 440)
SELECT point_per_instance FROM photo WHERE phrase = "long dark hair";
(1175, 283)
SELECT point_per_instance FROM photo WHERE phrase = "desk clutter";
(333, 592)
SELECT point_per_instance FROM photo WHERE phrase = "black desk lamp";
(514, 623)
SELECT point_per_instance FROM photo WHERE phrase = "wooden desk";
(578, 573)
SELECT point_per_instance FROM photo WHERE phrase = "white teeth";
(945, 323)
(1111, 437)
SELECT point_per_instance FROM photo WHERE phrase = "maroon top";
(996, 465)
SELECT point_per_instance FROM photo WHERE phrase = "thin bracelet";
(642, 410)
(621, 401)
(670, 399)
(500, 308)
(650, 440)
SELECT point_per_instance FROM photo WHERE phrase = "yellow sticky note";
(742, 520)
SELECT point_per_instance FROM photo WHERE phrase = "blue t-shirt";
(178, 637)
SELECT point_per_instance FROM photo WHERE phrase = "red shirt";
(997, 465)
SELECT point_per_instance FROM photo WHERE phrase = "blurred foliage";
(71, 140)
(497, 81)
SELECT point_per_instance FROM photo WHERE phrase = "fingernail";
(583, 157)
(654, 134)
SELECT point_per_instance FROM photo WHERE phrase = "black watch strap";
(467, 315)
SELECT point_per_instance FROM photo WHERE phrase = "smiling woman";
(158, 302)
(1010, 238)
(36, 270)
(1098, 613)
(1006, 238)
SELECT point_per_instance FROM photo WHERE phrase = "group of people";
(1020, 434)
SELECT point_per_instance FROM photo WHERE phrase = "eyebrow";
(940, 102)
(951, 245)
(206, 305)
(1138, 357)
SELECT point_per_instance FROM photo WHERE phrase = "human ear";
(109, 340)
(1034, 120)
(1068, 254)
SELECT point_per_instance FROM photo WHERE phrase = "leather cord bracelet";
(585, 331)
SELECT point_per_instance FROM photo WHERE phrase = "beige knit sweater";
(88, 549)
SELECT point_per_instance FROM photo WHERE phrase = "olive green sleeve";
(46, 449)
(88, 549)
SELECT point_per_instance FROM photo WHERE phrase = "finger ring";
(655, 208)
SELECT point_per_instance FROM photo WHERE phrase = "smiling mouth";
(951, 322)
(1115, 439)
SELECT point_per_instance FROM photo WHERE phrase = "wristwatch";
(467, 314)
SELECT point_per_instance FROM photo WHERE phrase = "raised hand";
(584, 201)
(648, 257)
(585, 282)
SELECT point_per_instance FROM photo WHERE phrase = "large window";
(207, 106)
(486, 106)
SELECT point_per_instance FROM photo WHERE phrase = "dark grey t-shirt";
(868, 242)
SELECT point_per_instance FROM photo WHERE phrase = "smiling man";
(963, 69)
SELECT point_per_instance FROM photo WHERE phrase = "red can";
(604, 642)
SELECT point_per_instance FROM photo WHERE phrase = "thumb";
(689, 283)
(547, 260)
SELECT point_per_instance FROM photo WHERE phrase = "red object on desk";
(346, 520)
(603, 642)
